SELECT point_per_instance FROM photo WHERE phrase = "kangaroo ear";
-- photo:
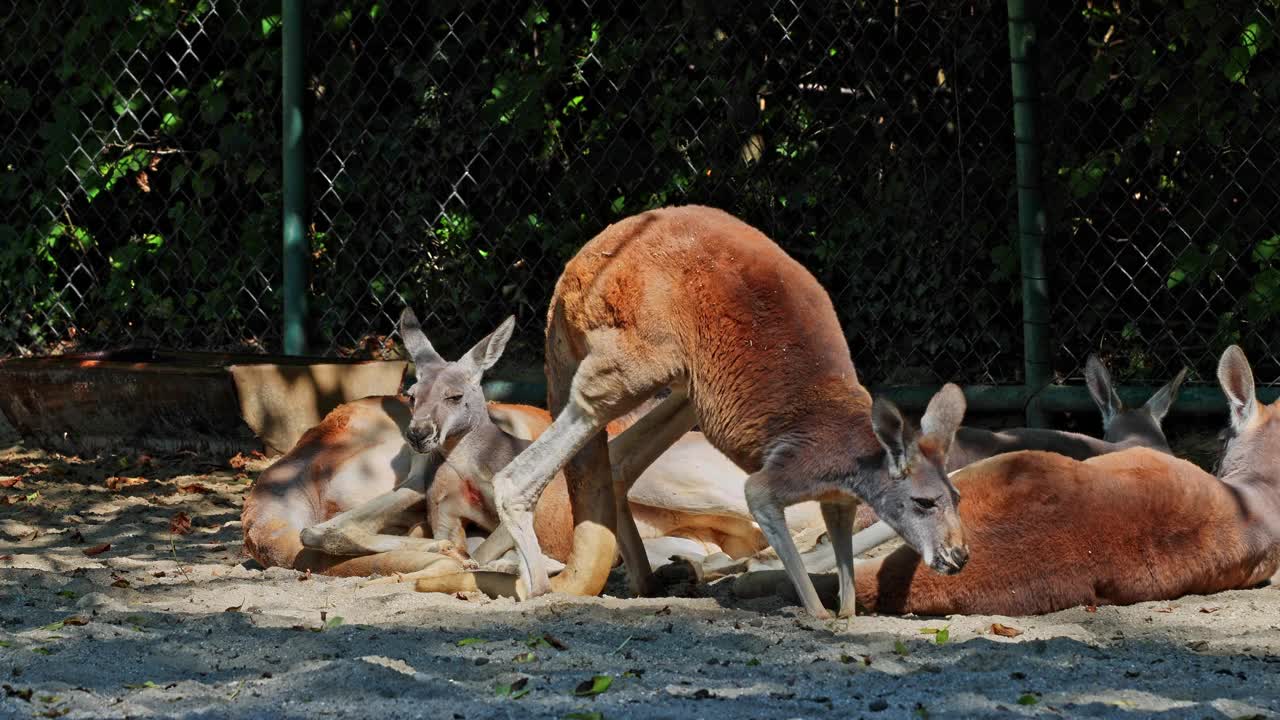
(1098, 378)
(943, 416)
(1158, 405)
(486, 353)
(1236, 378)
(889, 427)
(425, 358)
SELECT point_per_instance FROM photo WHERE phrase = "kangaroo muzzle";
(421, 437)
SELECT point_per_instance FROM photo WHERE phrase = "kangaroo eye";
(453, 398)
(924, 503)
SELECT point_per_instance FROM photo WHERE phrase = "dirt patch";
(169, 621)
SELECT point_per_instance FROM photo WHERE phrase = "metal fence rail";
(456, 154)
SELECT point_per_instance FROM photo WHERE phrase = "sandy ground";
(164, 624)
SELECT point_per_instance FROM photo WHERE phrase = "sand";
(180, 625)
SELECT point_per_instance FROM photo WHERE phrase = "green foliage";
(1160, 128)
(140, 186)
(460, 153)
(476, 151)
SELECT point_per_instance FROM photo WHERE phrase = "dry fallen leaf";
(180, 524)
(235, 608)
(75, 620)
(11, 482)
(238, 461)
(119, 483)
(96, 549)
(1209, 610)
(5, 558)
(120, 583)
(195, 488)
(1165, 609)
(1091, 608)
(1005, 630)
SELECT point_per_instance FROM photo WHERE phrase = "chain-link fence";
(460, 152)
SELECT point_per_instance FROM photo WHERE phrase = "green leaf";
(900, 648)
(1028, 699)
(41, 651)
(583, 715)
(5, 644)
(1253, 38)
(515, 690)
(139, 686)
(596, 685)
(524, 657)
(269, 24)
(53, 626)
(471, 641)
(69, 594)
(332, 623)
(1266, 249)
(753, 662)
(940, 635)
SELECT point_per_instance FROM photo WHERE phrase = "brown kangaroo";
(694, 299)
(1047, 532)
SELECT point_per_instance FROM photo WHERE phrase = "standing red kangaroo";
(1047, 532)
(695, 299)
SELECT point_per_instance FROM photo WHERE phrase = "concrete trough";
(160, 400)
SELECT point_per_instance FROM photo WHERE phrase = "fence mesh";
(1161, 134)
(460, 152)
(141, 176)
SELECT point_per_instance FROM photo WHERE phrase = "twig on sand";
(173, 549)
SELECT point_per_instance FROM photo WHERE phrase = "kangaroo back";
(307, 485)
(1047, 532)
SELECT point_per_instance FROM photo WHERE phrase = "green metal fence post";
(1031, 218)
(293, 73)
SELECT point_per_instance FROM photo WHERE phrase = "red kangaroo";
(694, 299)
(1047, 532)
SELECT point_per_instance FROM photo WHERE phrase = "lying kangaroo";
(1123, 428)
(693, 299)
(334, 489)
(1047, 532)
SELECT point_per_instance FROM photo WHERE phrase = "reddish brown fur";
(721, 301)
(692, 293)
(1047, 532)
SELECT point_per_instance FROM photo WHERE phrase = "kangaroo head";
(446, 399)
(1138, 426)
(919, 501)
(1253, 435)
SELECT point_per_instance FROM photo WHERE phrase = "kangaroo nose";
(957, 557)
(417, 434)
